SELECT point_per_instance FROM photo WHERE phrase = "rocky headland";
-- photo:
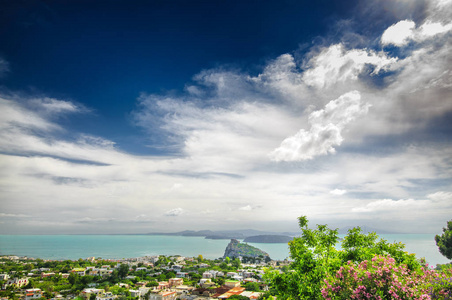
(236, 249)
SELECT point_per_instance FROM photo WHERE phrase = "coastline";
(127, 246)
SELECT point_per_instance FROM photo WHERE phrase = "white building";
(33, 294)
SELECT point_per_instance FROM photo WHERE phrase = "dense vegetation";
(364, 268)
(122, 278)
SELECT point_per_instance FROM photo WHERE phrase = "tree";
(444, 241)
(252, 286)
(220, 281)
(236, 263)
(315, 258)
(194, 276)
(152, 283)
(170, 275)
(123, 270)
(73, 278)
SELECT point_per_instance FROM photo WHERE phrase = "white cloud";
(444, 197)
(336, 65)
(389, 205)
(338, 192)
(436, 203)
(54, 106)
(399, 34)
(222, 128)
(174, 212)
(283, 80)
(13, 116)
(430, 29)
(2, 215)
(246, 208)
(325, 130)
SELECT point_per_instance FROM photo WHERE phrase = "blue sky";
(173, 115)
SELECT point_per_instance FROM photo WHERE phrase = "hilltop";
(236, 249)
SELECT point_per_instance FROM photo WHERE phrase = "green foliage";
(123, 270)
(170, 275)
(358, 246)
(220, 281)
(152, 283)
(223, 266)
(117, 290)
(238, 297)
(161, 277)
(444, 241)
(74, 278)
(194, 276)
(252, 286)
(162, 261)
(315, 258)
(236, 263)
(379, 278)
(441, 287)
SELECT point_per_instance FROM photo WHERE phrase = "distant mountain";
(245, 233)
(268, 239)
(366, 229)
(229, 234)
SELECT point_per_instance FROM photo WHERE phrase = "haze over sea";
(126, 246)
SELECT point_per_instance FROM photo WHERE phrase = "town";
(144, 278)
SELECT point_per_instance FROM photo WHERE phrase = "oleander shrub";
(382, 278)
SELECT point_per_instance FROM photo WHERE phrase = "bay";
(127, 246)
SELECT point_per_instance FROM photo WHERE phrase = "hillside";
(235, 249)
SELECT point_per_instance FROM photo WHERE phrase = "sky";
(160, 116)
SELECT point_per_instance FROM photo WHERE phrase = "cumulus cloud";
(401, 33)
(335, 64)
(325, 130)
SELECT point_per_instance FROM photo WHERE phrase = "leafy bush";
(377, 279)
(441, 286)
(316, 258)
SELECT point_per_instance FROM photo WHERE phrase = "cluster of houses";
(170, 289)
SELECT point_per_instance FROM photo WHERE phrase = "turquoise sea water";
(127, 246)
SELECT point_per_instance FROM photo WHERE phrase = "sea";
(73, 247)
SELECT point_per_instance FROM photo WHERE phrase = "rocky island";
(236, 249)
